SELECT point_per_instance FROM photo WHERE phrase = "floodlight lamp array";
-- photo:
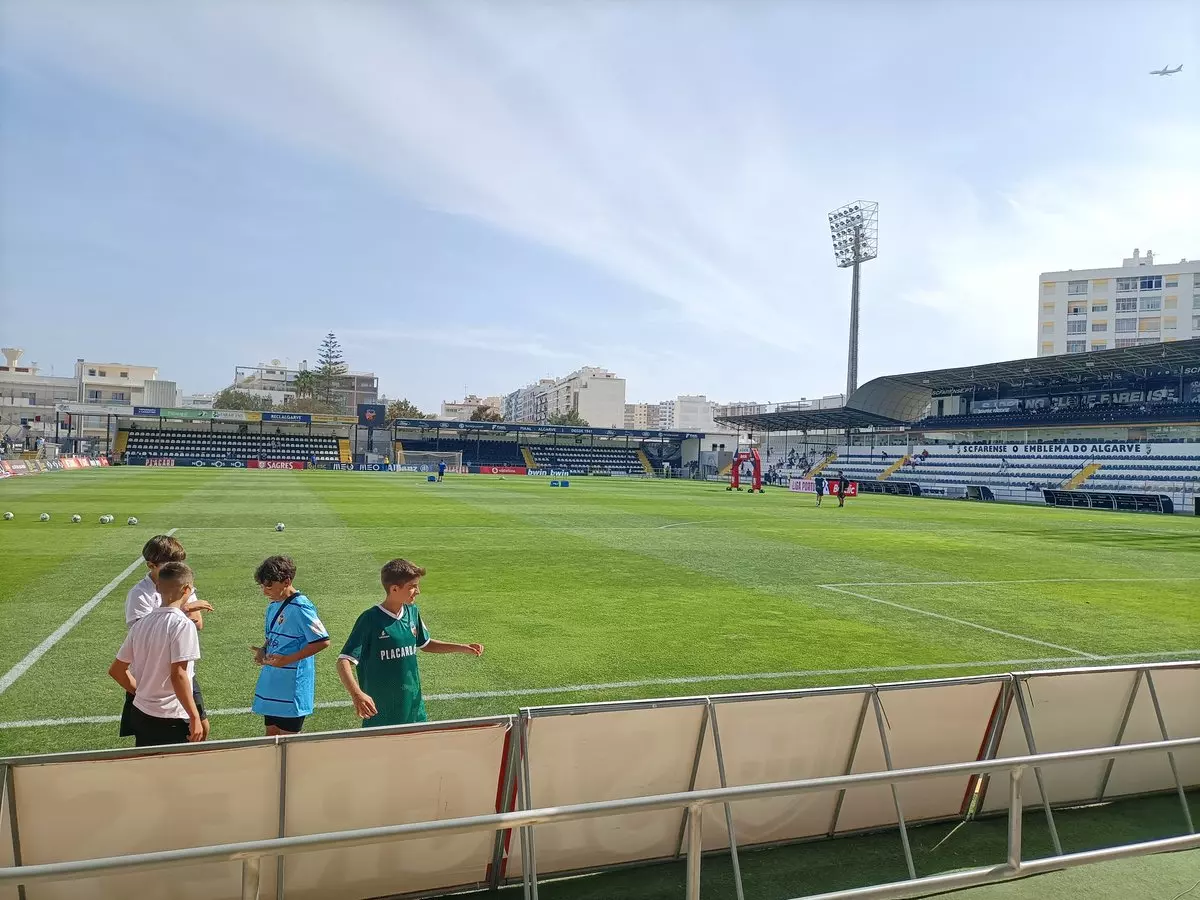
(855, 232)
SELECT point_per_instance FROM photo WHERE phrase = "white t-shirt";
(142, 598)
(158, 639)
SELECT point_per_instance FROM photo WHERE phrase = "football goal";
(427, 460)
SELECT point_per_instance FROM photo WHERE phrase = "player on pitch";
(382, 647)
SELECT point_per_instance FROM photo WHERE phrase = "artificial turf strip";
(582, 586)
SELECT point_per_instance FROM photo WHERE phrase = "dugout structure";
(555, 756)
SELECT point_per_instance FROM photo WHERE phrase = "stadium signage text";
(274, 464)
(286, 417)
(165, 462)
(809, 486)
(1116, 449)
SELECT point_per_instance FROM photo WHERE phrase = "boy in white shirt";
(156, 663)
(144, 597)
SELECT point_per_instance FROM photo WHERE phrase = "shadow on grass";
(799, 870)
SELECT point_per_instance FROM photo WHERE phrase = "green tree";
(485, 414)
(232, 398)
(403, 409)
(305, 385)
(568, 418)
(310, 405)
(331, 366)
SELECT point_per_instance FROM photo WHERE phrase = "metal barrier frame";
(251, 853)
(514, 778)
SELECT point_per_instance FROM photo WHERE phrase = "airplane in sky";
(1165, 71)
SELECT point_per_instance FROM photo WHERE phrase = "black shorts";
(126, 729)
(151, 731)
(290, 724)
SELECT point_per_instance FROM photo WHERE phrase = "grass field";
(610, 589)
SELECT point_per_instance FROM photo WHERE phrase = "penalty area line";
(657, 682)
(9, 678)
(964, 622)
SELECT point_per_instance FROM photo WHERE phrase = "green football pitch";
(610, 589)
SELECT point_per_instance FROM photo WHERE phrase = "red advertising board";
(273, 464)
(103, 461)
(502, 470)
(809, 486)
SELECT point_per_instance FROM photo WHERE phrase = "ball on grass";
(104, 520)
(76, 519)
(132, 520)
(8, 517)
(45, 517)
(279, 526)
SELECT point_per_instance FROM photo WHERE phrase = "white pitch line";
(9, 677)
(678, 524)
(963, 622)
(655, 682)
(1011, 581)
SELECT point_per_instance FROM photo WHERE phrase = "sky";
(473, 195)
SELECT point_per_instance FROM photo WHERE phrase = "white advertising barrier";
(1077, 709)
(7, 856)
(783, 738)
(609, 752)
(392, 779)
(117, 806)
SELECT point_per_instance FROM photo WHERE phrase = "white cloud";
(666, 152)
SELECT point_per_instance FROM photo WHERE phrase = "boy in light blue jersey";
(286, 685)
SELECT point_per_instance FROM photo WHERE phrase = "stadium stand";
(1124, 420)
(231, 445)
(579, 459)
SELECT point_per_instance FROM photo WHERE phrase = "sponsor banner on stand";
(295, 418)
(499, 470)
(68, 462)
(1082, 448)
(375, 467)
(274, 464)
(145, 412)
(809, 486)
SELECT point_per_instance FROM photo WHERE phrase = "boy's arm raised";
(432, 646)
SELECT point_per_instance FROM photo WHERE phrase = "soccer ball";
(45, 517)
(76, 519)
(132, 520)
(8, 517)
(279, 526)
(104, 520)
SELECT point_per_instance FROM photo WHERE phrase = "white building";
(274, 381)
(596, 394)
(197, 401)
(1142, 302)
(462, 410)
(527, 404)
(113, 384)
(640, 416)
(687, 412)
(28, 398)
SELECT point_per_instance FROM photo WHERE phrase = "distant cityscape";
(597, 396)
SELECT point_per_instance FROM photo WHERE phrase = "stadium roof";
(898, 399)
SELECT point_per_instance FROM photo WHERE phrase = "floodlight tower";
(855, 231)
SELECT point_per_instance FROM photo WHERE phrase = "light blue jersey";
(290, 626)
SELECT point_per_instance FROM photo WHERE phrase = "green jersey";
(384, 647)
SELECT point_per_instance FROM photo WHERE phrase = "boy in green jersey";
(382, 647)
